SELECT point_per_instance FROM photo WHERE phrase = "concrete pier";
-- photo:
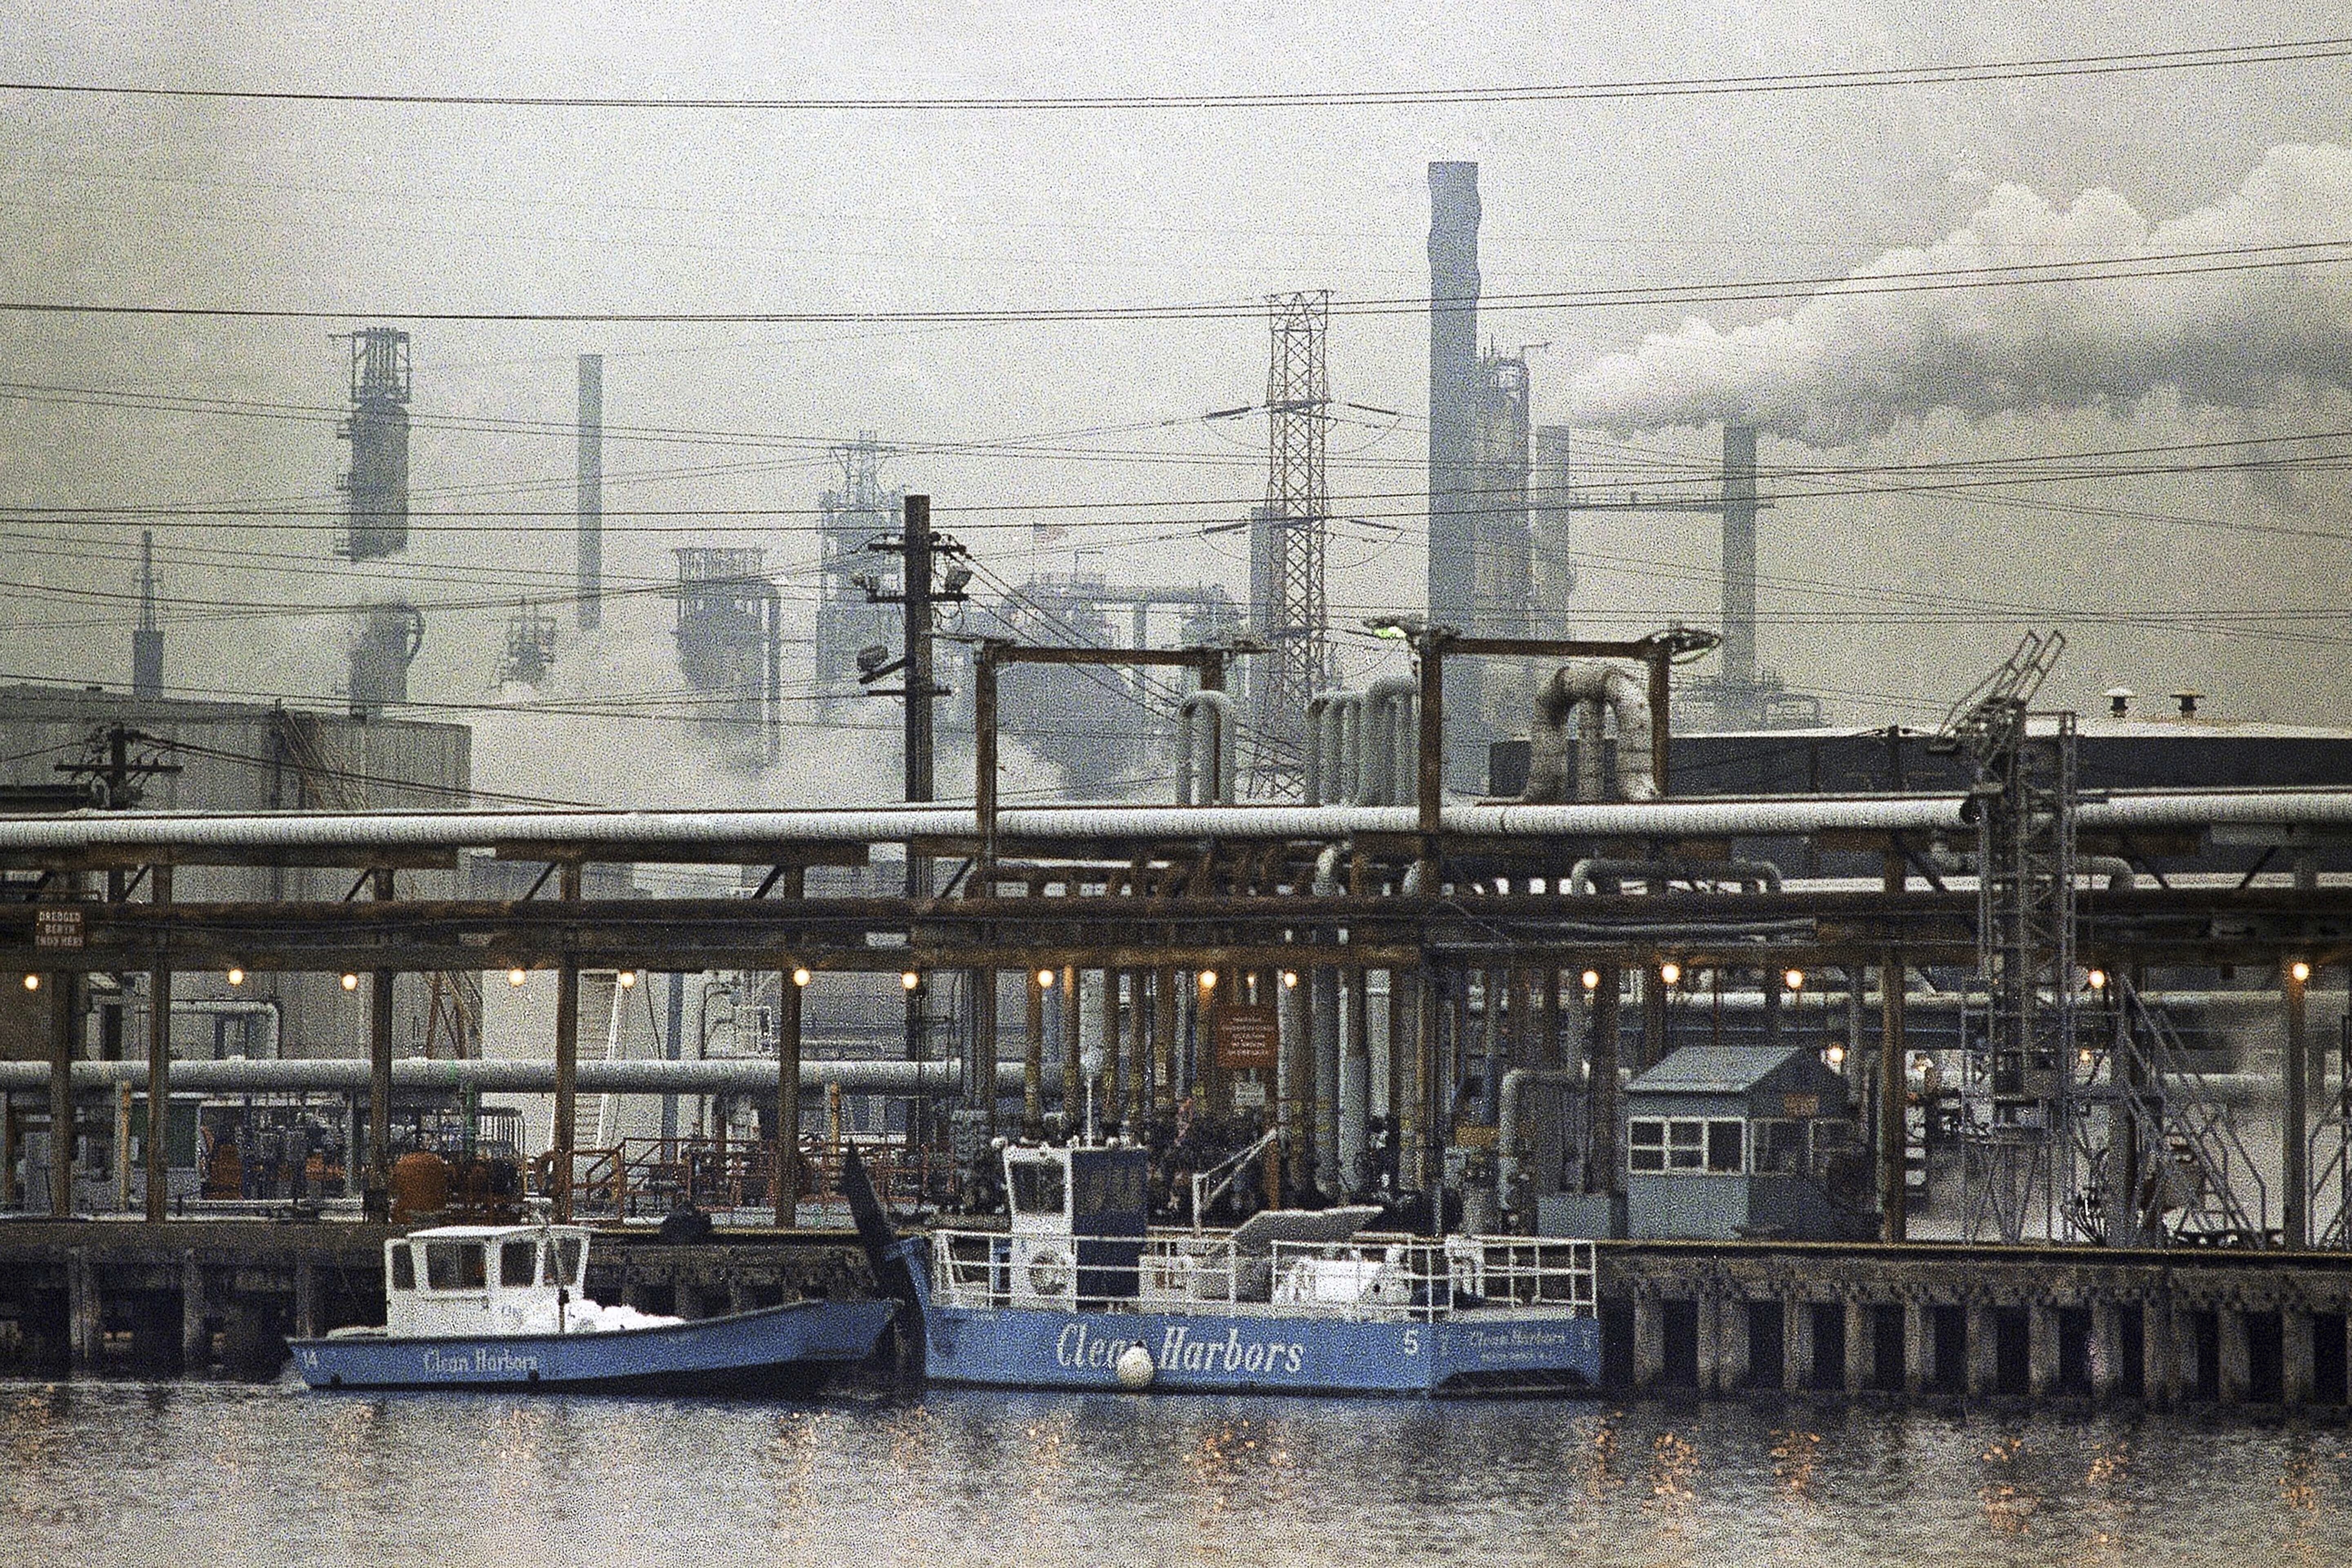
(2262, 1330)
(1928, 1319)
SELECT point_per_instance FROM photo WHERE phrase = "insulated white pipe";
(1580, 690)
(1387, 769)
(264, 1009)
(1204, 750)
(573, 831)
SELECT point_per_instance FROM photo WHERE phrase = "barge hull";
(1263, 1352)
(790, 1347)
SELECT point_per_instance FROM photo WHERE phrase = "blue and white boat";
(1082, 1293)
(502, 1307)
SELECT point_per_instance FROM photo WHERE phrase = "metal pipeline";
(228, 1008)
(1334, 744)
(1204, 750)
(644, 834)
(2118, 872)
(1388, 757)
(1507, 1152)
(1762, 875)
(1582, 690)
(350, 1074)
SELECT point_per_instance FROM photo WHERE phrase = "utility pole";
(919, 548)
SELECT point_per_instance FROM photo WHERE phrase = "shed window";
(1686, 1145)
(404, 1268)
(568, 1256)
(454, 1265)
(1781, 1147)
(517, 1260)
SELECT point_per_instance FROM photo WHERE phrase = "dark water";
(220, 1474)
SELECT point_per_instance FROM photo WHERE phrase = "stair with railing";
(2199, 1175)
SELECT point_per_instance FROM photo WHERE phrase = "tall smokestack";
(147, 641)
(1740, 566)
(1453, 393)
(592, 491)
(1552, 577)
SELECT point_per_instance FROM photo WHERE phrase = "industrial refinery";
(1782, 842)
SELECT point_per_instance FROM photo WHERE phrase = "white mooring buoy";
(1134, 1367)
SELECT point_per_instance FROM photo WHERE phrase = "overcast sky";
(2227, 582)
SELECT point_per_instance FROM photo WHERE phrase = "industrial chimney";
(1739, 569)
(384, 645)
(375, 491)
(592, 491)
(1551, 535)
(1452, 396)
(147, 640)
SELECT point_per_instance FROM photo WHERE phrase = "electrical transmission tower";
(1291, 532)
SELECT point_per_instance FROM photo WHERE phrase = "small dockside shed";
(1727, 1141)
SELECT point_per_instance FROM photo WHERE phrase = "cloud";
(1845, 366)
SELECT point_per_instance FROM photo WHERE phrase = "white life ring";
(1049, 1272)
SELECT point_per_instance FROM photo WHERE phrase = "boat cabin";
(1078, 1219)
(482, 1279)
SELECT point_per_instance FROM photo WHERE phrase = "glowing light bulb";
(627, 979)
(32, 982)
(802, 977)
(351, 981)
(1671, 972)
(1045, 980)
(517, 976)
(910, 980)
(1794, 980)
(1208, 979)
(2097, 980)
(1289, 979)
(2300, 970)
(237, 976)
(1837, 1056)
(1592, 978)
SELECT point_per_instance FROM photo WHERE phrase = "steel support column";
(62, 1019)
(159, 1063)
(379, 1165)
(1893, 1133)
(1355, 1086)
(2295, 1128)
(980, 1066)
(1601, 1175)
(567, 1054)
(789, 999)
(1033, 984)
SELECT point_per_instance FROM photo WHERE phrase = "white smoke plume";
(1844, 367)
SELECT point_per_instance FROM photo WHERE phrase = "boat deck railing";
(1367, 1277)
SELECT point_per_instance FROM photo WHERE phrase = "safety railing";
(1367, 1277)
(649, 1177)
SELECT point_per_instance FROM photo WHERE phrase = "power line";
(2214, 57)
(2090, 269)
